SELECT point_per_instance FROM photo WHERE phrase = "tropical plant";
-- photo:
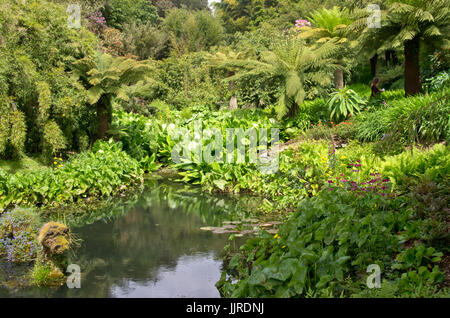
(302, 71)
(106, 78)
(344, 102)
(331, 25)
(437, 82)
(105, 171)
(406, 24)
(422, 118)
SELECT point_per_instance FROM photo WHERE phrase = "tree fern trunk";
(102, 117)
(293, 110)
(339, 77)
(413, 83)
(233, 103)
(373, 64)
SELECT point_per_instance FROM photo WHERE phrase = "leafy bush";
(421, 118)
(103, 172)
(145, 41)
(37, 50)
(326, 246)
(317, 248)
(437, 82)
(120, 12)
(433, 164)
(192, 31)
(341, 132)
(12, 130)
(138, 134)
(344, 102)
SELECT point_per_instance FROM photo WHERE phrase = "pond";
(149, 245)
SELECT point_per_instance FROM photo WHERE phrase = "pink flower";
(302, 23)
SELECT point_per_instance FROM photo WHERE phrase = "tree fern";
(107, 77)
(330, 25)
(302, 71)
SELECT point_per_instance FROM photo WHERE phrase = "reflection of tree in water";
(161, 227)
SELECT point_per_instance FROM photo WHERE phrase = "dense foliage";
(43, 108)
(360, 175)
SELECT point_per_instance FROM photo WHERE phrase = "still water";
(149, 245)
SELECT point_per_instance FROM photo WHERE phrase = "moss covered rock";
(54, 238)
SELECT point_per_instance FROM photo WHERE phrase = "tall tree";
(407, 24)
(106, 78)
(330, 25)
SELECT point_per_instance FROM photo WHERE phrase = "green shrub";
(120, 12)
(437, 82)
(330, 237)
(37, 49)
(12, 130)
(433, 164)
(326, 247)
(422, 118)
(103, 172)
(344, 102)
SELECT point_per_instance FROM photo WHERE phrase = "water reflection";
(193, 276)
(149, 246)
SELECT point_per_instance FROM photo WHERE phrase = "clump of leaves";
(344, 102)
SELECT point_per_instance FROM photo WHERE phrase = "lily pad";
(228, 227)
(219, 231)
(209, 228)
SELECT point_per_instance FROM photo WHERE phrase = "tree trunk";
(233, 103)
(413, 83)
(373, 64)
(339, 77)
(293, 110)
(394, 58)
(102, 117)
(387, 57)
